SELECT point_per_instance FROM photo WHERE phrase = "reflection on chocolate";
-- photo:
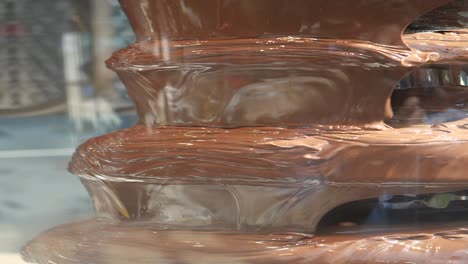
(332, 74)
(375, 21)
(260, 117)
(122, 244)
(251, 82)
(277, 156)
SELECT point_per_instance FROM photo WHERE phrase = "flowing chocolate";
(379, 22)
(250, 63)
(119, 243)
(202, 63)
(261, 117)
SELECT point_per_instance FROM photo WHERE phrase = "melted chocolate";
(329, 64)
(276, 156)
(375, 21)
(103, 243)
(253, 82)
(252, 64)
(260, 117)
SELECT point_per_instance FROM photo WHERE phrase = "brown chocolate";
(419, 155)
(317, 167)
(375, 21)
(101, 243)
(203, 66)
(185, 75)
(259, 117)
(271, 81)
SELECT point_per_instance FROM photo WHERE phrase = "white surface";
(35, 153)
(11, 259)
(37, 194)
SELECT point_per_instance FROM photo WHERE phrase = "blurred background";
(55, 92)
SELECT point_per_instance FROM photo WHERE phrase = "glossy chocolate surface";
(260, 117)
(375, 21)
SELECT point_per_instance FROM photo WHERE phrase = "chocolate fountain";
(259, 121)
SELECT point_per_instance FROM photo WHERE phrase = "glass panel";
(233, 131)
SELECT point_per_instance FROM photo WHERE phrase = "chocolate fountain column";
(262, 66)
(259, 117)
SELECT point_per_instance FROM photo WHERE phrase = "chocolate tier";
(374, 21)
(129, 170)
(278, 156)
(121, 244)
